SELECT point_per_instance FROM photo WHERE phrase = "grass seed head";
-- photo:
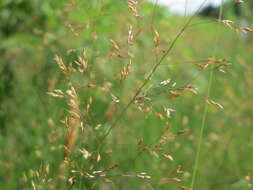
(133, 6)
(61, 65)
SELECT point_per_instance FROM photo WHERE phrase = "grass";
(128, 116)
(204, 117)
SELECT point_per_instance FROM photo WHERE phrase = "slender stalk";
(204, 116)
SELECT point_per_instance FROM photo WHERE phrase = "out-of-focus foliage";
(19, 16)
(31, 135)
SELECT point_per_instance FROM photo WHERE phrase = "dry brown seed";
(88, 175)
(153, 153)
(97, 172)
(71, 180)
(215, 103)
(98, 126)
(47, 169)
(74, 120)
(174, 95)
(140, 176)
(202, 66)
(56, 93)
(61, 65)
(84, 53)
(115, 99)
(245, 29)
(115, 45)
(157, 39)
(85, 153)
(189, 88)
(228, 23)
(71, 51)
(231, 25)
(98, 157)
(143, 176)
(113, 167)
(182, 132)
(168, 111)
(82, 64)
(133, 5)
(167, 156)
(163, 83)
(159, 115)
(247, 177)
(130, 35)
(126, 70)
(91, 85)
(177, 171)
(33, 185)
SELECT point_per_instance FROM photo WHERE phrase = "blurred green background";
(31, 135)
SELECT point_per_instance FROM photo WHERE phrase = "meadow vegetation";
(124, 95)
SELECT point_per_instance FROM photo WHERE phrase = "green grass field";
(104, 133)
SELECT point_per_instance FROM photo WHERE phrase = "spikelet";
(115, 45)
(82, 64)
(143, 175)
(74, 120)
(133, 6)
(215, 103)
(61, 65)
(126, 71)
(231, 25)
(57, 93)
(116, 48)
(157, 39)
(167, 156)
(168, 111)
(130, 36)
(189, 88)
(165, 82)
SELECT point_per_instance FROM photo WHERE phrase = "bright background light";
(178, 6)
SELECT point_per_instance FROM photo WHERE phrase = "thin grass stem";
(204, 116)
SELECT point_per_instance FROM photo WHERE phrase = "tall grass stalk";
(204, 116)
